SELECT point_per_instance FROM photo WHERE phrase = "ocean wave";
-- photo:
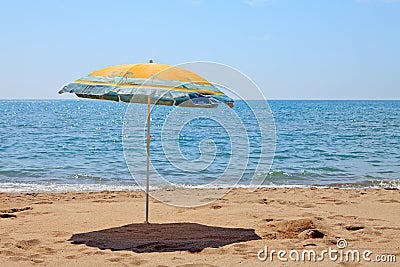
(20, 187)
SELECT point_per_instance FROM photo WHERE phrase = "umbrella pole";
(148, 159)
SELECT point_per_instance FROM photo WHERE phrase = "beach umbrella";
(149, 83)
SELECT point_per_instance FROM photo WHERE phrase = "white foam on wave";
(61, 188)
(12, 187)
(9, 187)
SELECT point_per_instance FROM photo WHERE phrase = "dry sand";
(106, 228)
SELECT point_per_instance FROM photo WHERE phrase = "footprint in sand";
(27, 244)
(388, 201)
(71, 257)
(14, 210)
(43, 202)
(47, 251)
(389, 228)
(341, 217)
(137, 262)
(8, 253)
(268, 220)
(377, 220)
(308, 215)
(306, 205)
(354, 227)
(36, 258)
(100, 253)
(263, 201)
(115, 259)
(133, 262)
(6, 215)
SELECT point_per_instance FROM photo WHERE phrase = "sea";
(78, 145)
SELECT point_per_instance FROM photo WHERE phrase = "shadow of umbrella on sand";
(166, 237)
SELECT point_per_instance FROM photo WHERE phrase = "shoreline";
(10, 187)
(103, 228)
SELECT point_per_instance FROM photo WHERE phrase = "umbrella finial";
(150, 61)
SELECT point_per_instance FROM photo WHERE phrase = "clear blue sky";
(293, 49)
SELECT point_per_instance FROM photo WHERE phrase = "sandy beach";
(106, 228)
